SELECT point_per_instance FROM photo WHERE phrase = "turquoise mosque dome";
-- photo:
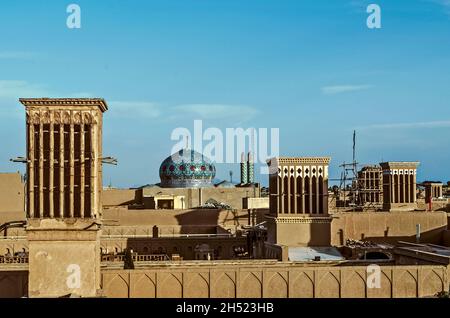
(187, 168)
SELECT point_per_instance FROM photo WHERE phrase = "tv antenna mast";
(349, 176)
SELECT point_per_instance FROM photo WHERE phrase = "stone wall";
(387, 227)
(271, 280)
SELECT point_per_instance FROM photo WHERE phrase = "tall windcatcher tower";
(298, 201)
(64, 170)
(399, 185)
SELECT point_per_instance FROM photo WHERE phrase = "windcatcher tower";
(399, 185)
(64, 186)
(299, 202)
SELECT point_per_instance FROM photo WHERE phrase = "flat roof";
(310, 253)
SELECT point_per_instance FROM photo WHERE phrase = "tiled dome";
(186, 168)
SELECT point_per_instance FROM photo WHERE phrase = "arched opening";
(292, 194)
(299, 195)
(307, 195)
(314, 194)
(396, 188)
(321, 195)
(286, 194)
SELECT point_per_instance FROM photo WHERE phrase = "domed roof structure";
(187, 168)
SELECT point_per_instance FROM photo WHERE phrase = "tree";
(128, 260)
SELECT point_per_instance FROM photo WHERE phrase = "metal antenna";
(354, 144)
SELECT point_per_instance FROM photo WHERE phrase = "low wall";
(270, 280)
(388, 227)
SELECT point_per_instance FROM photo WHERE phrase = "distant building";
(399, 185)
(433, 190)
(370, 187)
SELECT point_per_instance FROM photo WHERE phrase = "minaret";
(64, 169)
(243, 170)
(250, 169)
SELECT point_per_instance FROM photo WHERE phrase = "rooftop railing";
(136, 258)
(13, 259)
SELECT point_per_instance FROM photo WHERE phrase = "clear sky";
(310, 68)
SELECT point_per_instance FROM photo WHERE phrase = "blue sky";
(311, 68)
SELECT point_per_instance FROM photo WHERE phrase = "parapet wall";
(270, 280)
(253, 279)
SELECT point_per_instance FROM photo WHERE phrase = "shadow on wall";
(190, 248)
(446, 238)
(199, 221)
(320, 234)
(135, 203)
(435, 236)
